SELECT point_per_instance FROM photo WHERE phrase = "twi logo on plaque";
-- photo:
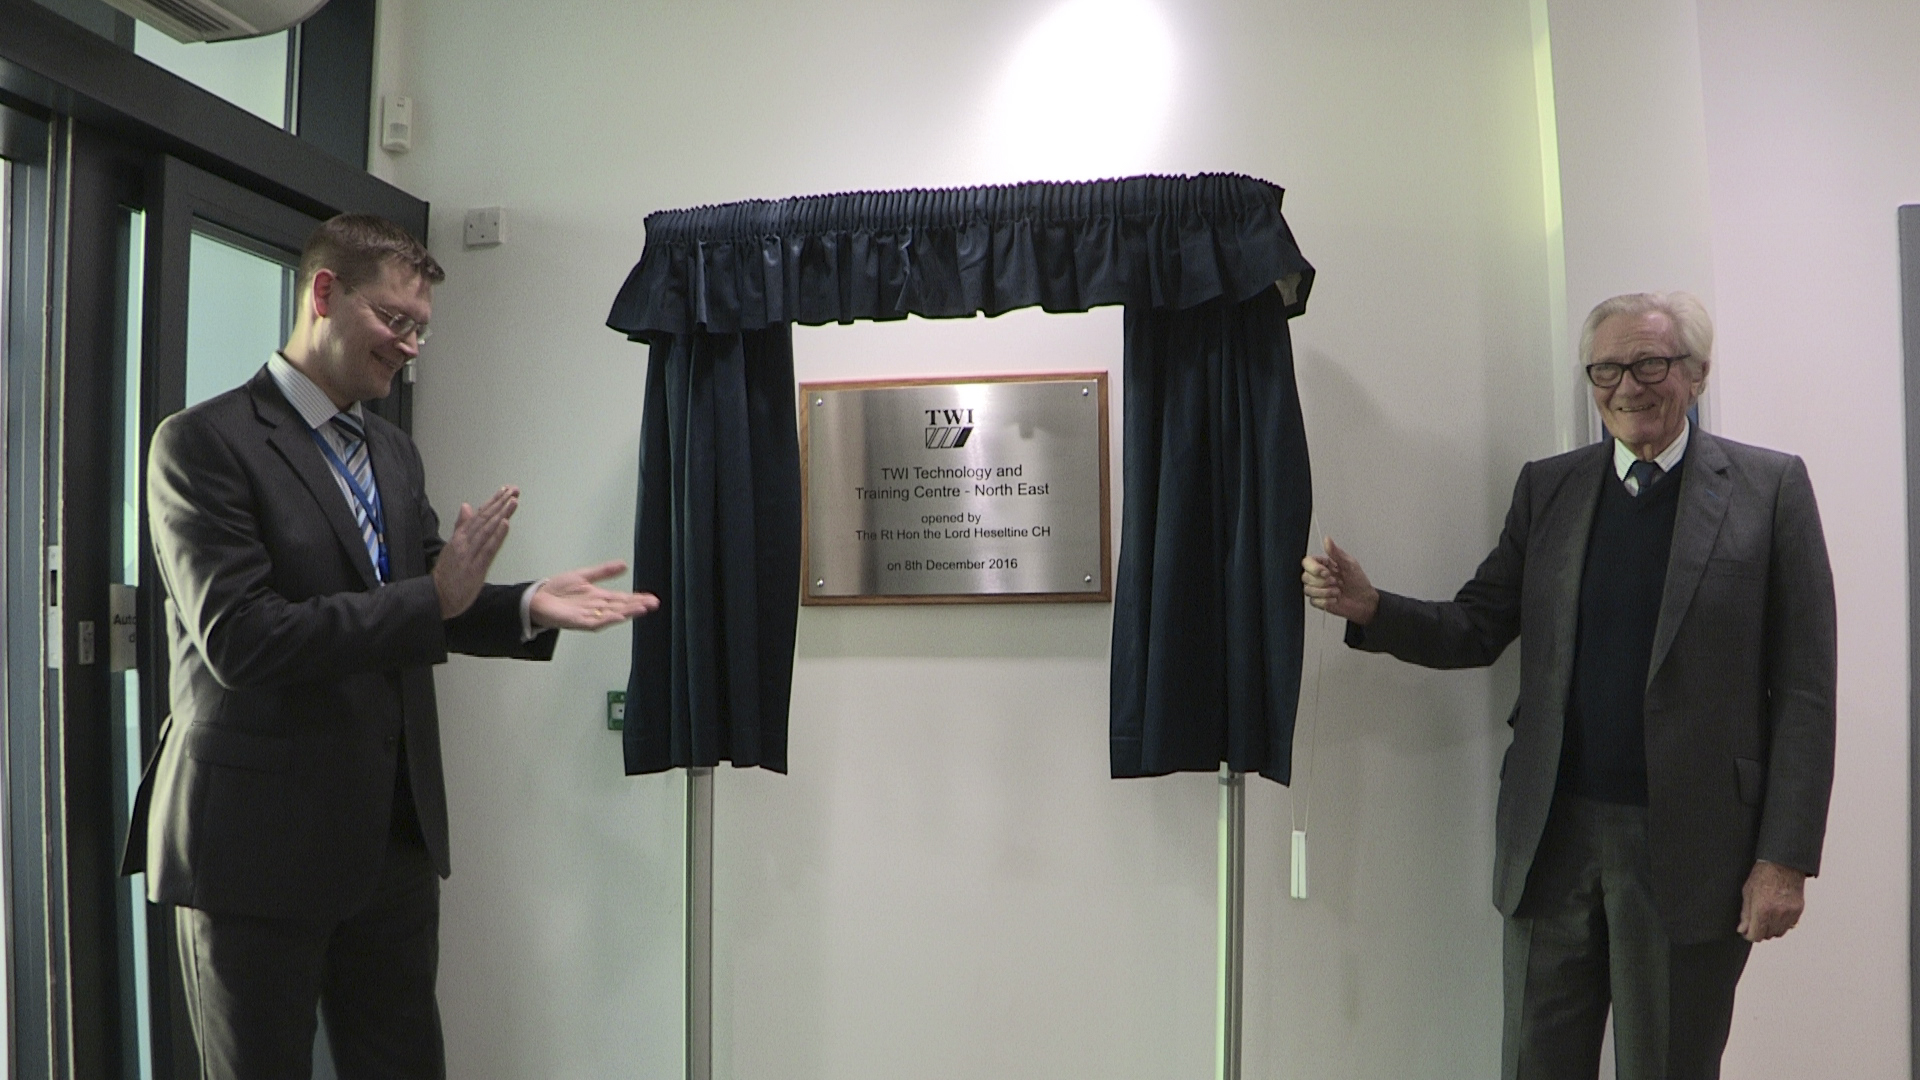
(937, 491)
(954, 433)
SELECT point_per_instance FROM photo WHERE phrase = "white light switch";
(486, 227)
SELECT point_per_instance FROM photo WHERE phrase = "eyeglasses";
(1647, 371)
(400, 324)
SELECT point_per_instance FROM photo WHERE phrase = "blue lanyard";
(369, 502)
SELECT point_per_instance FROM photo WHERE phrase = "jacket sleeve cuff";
(1377, 636)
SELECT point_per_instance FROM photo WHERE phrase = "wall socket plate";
(616, 710)
(486, 226)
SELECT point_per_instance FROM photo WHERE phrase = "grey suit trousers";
(1588, 937)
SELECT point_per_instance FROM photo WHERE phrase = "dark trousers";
(253, 984)
(1588, 937)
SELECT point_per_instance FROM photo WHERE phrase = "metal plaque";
(954, 491)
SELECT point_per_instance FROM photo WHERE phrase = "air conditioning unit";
(219, 20)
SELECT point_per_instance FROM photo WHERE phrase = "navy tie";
(1642, 475)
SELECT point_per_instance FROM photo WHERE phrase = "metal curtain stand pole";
(699, 924)
(1232, 888)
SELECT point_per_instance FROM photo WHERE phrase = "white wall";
(1633, 160)
(949, 882)
(1633, 156)
(1811, 115)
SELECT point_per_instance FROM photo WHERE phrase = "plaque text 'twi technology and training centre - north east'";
(988, 489)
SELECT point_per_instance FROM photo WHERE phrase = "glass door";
(179, 287)
(238, 312)
(239, 309)
(216, 265)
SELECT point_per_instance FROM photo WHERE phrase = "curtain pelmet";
(1153, 241)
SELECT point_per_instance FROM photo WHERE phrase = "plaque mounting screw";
(1089, 579)
(1085, 391)
(819, 582)
(818, 401)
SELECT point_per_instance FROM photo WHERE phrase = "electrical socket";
(486, 226)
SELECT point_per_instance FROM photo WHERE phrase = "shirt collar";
(306, 397)
(1666, 459)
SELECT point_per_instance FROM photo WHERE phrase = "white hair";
(1690, 322)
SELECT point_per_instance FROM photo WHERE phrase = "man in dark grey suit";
(1665, 795)
(295, 811)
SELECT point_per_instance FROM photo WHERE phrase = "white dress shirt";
(1666, 459)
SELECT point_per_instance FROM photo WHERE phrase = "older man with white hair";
(1665, 795)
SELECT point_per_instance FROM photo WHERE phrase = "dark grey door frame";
(30, 334)
(99, 179)
(1909, 220)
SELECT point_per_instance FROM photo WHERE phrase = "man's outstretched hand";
(462, 566)
(1336, 585)
(571, 601)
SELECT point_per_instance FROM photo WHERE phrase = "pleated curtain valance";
(1208, 619)
(1159, 242)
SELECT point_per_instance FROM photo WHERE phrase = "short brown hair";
(357, 246)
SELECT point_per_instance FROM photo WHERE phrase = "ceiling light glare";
(1085, 96)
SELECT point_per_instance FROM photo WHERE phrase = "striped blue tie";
(360, 466)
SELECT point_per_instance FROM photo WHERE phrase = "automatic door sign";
(956, 491)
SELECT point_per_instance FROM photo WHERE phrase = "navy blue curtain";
(717, 538)
(1207, 615)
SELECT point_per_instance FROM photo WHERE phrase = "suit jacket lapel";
(293, 440)
(1705, 487)
(1564, 532)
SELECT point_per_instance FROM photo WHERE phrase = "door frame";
(1908, 224)
(111, 130)
(25, 141)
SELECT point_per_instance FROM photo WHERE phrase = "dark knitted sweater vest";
(1604, 755)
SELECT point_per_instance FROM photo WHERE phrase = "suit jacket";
(294, 672)
(1739, 693)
